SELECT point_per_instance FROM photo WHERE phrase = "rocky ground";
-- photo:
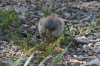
(78, 13)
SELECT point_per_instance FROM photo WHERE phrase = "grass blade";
(16, 63)
(27, 62)
(41, 63)
(59, 56)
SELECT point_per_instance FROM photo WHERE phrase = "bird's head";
(51, 25)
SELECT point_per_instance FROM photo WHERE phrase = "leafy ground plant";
(22, 42)
(6, 18)
(59, 56)
(98, 21)
(17, 62)
(87, 30)
(46, 11)
(50, 48)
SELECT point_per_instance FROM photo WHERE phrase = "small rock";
(81, 40)
(67, 15)
(33, 27)
(41, 14)
(75, 56)
(34, 38)
(25, 25)
(95, 62)
(21, 16)
(97, 35)
(97, 47)
(90, 45)
(86, 47)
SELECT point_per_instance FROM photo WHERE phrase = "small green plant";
(49, 47)
(46, 11)
(59, 56)
(2, 64)
(49, 50)
(22, 42)
(90, 27)
(6, 18)
(16, 63)
(98, 21)
(87, 30)
(27, 62)
(71, 31)
(71, 34)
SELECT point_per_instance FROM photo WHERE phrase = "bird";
(53, 24)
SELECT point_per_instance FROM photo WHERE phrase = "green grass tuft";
(98, 21)
(7, 17)
(46, 11)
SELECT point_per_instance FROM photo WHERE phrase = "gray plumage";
(53, 24)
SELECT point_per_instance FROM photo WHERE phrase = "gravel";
(74, 12)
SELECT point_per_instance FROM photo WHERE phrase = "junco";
(53, 24)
